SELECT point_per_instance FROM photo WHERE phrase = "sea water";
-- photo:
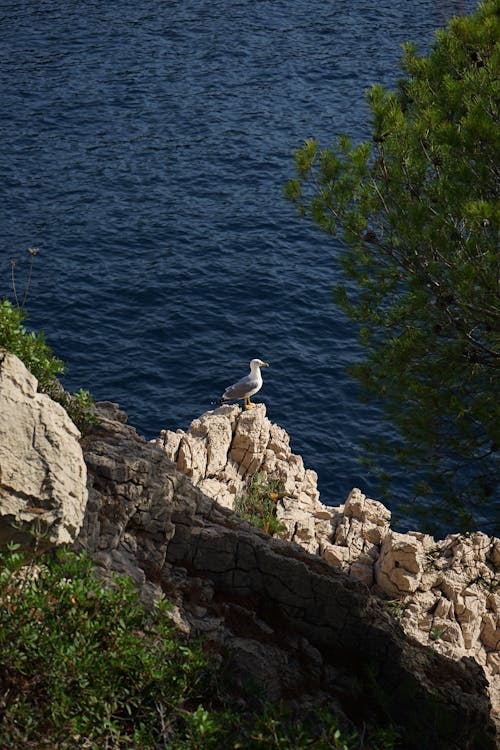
(144, 150)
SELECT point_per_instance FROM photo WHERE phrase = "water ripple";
(145, 148)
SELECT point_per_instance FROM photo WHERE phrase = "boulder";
(400, 564)
(43, 490)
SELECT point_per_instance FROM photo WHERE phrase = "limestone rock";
(293, 623)
(225, 448)
(335, 554)
(369, 511)
(42, 471)
(443, 589)
(399, 567)
(459, 616)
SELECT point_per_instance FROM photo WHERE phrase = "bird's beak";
(265, 364)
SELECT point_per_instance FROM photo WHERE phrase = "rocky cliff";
(274, 612)
(444, 593)
(279, 616)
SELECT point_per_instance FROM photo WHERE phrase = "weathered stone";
(192, 457)
(400, 565)
(493, 555)
(43, 490)
(460, 570)
(170, 442)
(360, 507)
(291, 621)
(449, 634)
(490, 634)
(225, 448)
(362, 569)
(443, 607)
(335, 554)
(493, 666)
(250, 441)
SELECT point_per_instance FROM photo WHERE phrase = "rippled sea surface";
(144, 149)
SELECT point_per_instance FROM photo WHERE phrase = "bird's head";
(258, 363)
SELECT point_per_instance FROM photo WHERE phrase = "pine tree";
(418, 208)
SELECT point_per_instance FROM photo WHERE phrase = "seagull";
(246, 387)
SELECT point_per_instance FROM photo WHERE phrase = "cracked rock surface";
(42, 471)
(444, 593)
(279, 617)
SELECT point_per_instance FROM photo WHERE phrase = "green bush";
(38, 357)
(86, 665)
(258, 504)
(277, 729)
(81, 661)
(30, 347)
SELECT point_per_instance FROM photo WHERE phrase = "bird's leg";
(248, 403)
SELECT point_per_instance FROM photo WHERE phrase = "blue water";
(144, 149)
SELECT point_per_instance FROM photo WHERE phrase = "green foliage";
(38, 357)
(385, 738)
(258, 504)
(277, 729)
(30, 347)
(80, 661)
(436, 634)
(79, 406)
(397, 608)
(418, 207)
(86, 665)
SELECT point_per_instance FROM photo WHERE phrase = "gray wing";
(240, 389)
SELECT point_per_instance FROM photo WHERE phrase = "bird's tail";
(218, 401)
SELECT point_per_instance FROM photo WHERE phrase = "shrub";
(258, 504)
(38, 357)
(81, 661)
(30, 347)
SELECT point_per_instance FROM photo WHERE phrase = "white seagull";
(247, 386)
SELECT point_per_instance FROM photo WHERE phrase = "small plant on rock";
(397, 608)
(436, 634)
(79, 406)
(258, 504)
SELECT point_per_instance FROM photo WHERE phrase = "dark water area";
(144, 149)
